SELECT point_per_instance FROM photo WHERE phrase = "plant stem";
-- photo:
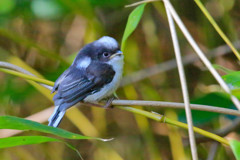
(183, 84)
(152, 115)
(197, 130)
(119, 102)
(171, 64)
(217, 28)
(23, 73)
(140, 2)
(163, 119)
(200, 53)
(29, 77)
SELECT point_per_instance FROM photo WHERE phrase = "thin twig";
(171, 64)
(213, 150)
(217, 28)
(152, 103)
(183, 85)
(160, 118)
(221, 132)
(175, 105)
(163, 119)
(200, 53)
(155, 116)
(197, 130)
(29, 77)
(43, 115)
(140, 2)
(19, 69)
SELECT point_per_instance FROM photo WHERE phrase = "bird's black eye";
(105, 54)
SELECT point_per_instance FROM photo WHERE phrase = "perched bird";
(94, 75)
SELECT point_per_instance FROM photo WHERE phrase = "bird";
(94, 75)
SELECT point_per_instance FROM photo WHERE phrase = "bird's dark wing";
(59, 80)
(77, 85)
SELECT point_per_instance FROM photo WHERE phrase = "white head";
(105, 49)
(107, 42)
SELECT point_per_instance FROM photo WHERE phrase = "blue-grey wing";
(59, 80)
(75, 84)
(73, 88)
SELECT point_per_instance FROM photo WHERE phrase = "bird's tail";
(56, 117)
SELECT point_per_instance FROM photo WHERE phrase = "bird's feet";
(109, 103)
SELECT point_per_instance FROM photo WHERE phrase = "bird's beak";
(118, 53)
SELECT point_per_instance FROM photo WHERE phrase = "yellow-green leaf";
(132, 23)
(10, 122)
(27, 140)
(235, 145)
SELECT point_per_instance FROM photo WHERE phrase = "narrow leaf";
(27, 140)
(235, 146)
(232, 79)
(217, 28)
(10, 122)
(24, 140)
(236, 92)
(132, 23)
(221, 68)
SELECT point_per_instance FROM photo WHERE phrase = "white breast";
(107, 90)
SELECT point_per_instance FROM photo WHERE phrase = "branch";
(43, 116)
(161, 118)
(213, 151)
(27, 75)
(200, 53)
(41, 81)
(221, 132)
(175, 105)
(171, 64)
(140, 2)
(127, 102)
(217, 28)
(183, 84)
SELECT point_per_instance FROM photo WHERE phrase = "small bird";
(94, 75)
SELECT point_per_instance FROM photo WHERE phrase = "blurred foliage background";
(47, 34)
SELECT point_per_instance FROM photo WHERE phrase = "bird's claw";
(109, 103)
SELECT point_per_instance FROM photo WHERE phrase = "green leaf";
(10, 122)
(132, 23)
(232, 79)
(26, 140)
(235, 145)
(6, 6)
(236, 92)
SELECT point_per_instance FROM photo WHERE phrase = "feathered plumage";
(93, 76)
